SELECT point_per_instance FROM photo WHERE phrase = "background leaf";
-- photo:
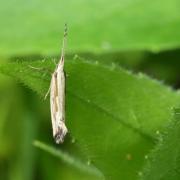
(112, 114)
(35, 27)
(69, 159)
(164, 161)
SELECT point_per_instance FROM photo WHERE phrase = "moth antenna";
(64, 44)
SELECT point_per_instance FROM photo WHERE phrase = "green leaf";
(112, 114)
(36, 27)
(164, 161)
(69, 159)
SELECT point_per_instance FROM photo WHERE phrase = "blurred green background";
(142, 36)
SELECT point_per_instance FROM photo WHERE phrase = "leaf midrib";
(112, 116)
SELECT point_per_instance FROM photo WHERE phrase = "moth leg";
(66, 74)
(47, 93)
(44, 70)
(54, 61)
(36, 68)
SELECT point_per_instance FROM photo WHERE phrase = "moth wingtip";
(60, 135)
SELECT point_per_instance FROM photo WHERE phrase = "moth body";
(57, 100)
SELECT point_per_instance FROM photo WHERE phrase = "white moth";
(57, 98)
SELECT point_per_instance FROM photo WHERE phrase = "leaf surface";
(111, 113)
(164, 161)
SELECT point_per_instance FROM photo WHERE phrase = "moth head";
(61, 63)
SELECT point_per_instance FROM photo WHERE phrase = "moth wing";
(53, 104)
(61, 93)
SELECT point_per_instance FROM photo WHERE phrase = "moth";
(57, 97)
